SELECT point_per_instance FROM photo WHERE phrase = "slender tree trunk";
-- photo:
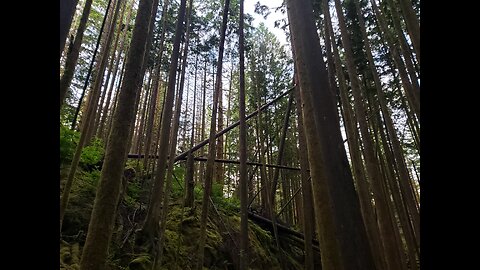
(156, 81)
(273, 190)
(340, 227)
(110, 69)
(354, 149)
(407, 85)
(146, 56)
(173, 142)
(219, 172)
(412, 245)
(102, 220)
(189, 176)
(244, 262)
(308, 215)
(405, 49)
(209, 171)
(137, 146)
(413, 25)
(202, 151)
(113, 63)
(67, 10)
(83, 138)
(392, 257)
(114, 105)
(404, 178)
(100, 68)
(153, 212)
(90, 68)
(260, 138)
(72, 56)
(101, 132)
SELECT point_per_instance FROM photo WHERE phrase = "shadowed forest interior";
(197, 135)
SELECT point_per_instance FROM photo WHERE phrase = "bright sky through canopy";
(270, 21)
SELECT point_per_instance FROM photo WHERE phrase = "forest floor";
(181, 235)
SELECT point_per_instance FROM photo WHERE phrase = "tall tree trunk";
(354, 149)
(139, 134)
(405, 49)
(83, 137)
(153, 212)
(209, 170)
(115, 101)
(412, 245)
(102, 220)
(404, 178)
(173, 142)
(392, 257)
(156, 81)
(101, 128)
(72, 56)
(265, 189)
(204, 112)
(90, 68)
(101, 132)
(308, 215)
(413, 25)
(219, 177)
(407, 85)
(146, 56)
(110, 69)
(67, 10)
(189, 176)
(100, 69)
(340, 227)
(244, 262)
(113, 66)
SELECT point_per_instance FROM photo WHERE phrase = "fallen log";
(281, 228)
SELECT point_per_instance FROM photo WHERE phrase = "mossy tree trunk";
(102, 219)
(90, 110)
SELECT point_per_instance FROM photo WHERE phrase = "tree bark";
(101, 129)
(173, 140)
(404, 178)
(153, 212)
(72, 56)
(209, 170)
(362, 185)
(407, 85)
(83, 137)
(156, 81)
(340, 227)
(413, 25)
(103, 215)
(190, 172)
(100, 71)
(244, 261)
(90, 68)
(308, 214)
(67, 10)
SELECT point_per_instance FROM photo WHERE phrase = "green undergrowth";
(182, 229)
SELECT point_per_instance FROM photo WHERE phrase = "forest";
(194, 136)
